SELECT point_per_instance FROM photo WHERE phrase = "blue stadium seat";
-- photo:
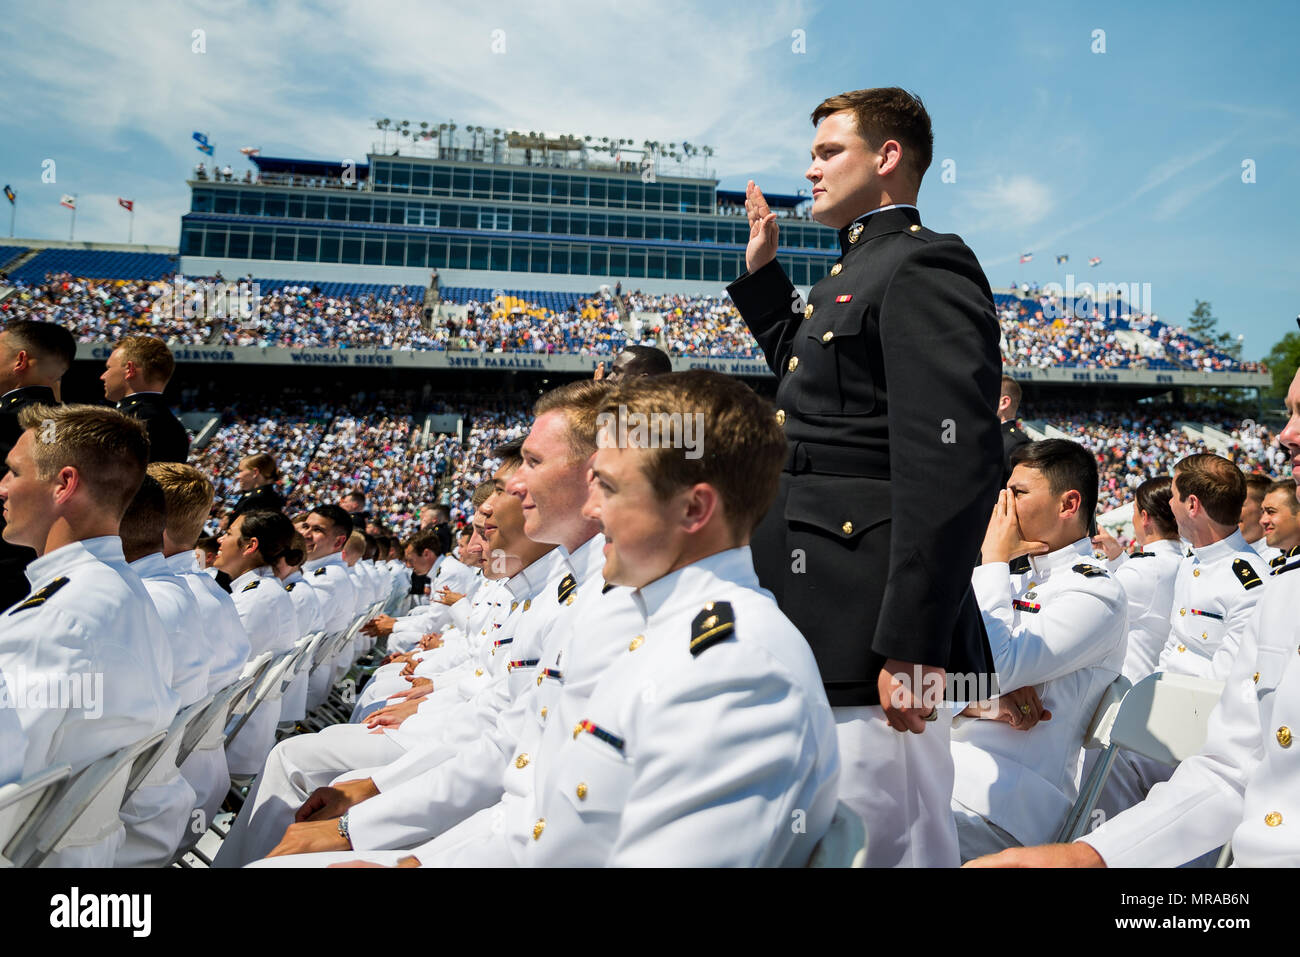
(95, 264)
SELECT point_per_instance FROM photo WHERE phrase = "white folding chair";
(28, 800)
(159, 764)
(1164, 718)
(1096, 738)
(845, 842)
(85, 806)
(267, 685)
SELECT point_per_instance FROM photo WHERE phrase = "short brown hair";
(1217, 483)
(887, 113)
(481, 495)
(151, 356)
(109, 450)
(1258, 485)
(427, 540)
(1288, 487)
(580, 401)
(743, 446)
(189, 498)
(1011, 389)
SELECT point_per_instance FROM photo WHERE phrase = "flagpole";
(12, 207)
(73, 227)
(130, 220)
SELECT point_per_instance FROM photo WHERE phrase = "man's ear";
(1071, 502)
(702, 502)
(67, 482)
(891, 156)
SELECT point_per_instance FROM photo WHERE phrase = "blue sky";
(1133, 154)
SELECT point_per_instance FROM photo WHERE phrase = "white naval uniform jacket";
(224, 633)
(339, 600)
(457, 769)
(710, 745)
(88, 615)
(307, 609)
(266, 611)
(179, 612)
(1214, 595)
(1060, 627)
(1148, 579)
(1246, 771)
(13, 742)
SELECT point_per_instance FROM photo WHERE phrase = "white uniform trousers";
(901, 785)
(296, 767)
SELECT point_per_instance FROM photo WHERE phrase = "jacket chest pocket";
(1206, 630)
(833, 374)
(597, 778)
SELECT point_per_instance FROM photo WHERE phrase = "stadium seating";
(95, 264)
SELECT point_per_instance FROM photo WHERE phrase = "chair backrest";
(214, 715)
(27, 801)
(1164, 716)
(166, 751)
(845, 842)
(1103, 719)
(268, 683)
(89, 802)
(302, 658)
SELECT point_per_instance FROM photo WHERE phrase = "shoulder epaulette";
(1285, 568)
(40, 597)
(1018, 566)
(1141, 554)
(1088, 571)
(607, 587)
(251, 585)
(713, 624)
(1280, 560)
(289, 587)
(320, 571)
(1189, 553)
(568, 585)
(1245, 574)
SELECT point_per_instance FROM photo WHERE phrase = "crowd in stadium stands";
(1135, 445)
(301, 316)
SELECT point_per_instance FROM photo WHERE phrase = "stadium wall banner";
(586, 364)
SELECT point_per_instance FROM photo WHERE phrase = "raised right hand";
(762, 229)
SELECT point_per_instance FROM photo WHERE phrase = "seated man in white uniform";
(189, 495)
(311, 618)
(711, 733)
(158, 813)
(326, 530)
(252, 542)
(89, 625)
(404, 632)
(1215, 593)
(300, 764)
(1280, 520)
(1243, 785)
(1060, 627)
(1252, 513)
(1147, 575)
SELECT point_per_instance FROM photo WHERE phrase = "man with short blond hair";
(89, 622)
(135, 375)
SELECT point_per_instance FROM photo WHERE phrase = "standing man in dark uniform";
(137, 371)
(1008, 411)
(888, 388)
(33, 358)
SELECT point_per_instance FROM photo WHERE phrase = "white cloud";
(1012, 202)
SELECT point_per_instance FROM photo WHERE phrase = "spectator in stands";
(135, 374)
(1008, 411)
(354, 503)
(33, 358)
(257, 477)
(65, 493)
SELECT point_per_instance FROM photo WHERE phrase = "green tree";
(1283, 360)
(1203, 324)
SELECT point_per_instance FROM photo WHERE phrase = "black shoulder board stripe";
(1018, 566)
(1088, 571)
(568, 585)
(320, 571)
(1245, 574)
(251, 585)
(40, 597)
(607, 587)
(713, 624)
(1285, 568)
(1280, 560)
(289, 587)
(1141, 555)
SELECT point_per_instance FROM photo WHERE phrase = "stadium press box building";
(528, 211)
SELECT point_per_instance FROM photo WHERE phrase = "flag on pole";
(1062, 259)
(127, 204)
(10, 194)
(1094, 261)
(1026, 257)
(204, 146)
(250, 150)
(68, 201)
